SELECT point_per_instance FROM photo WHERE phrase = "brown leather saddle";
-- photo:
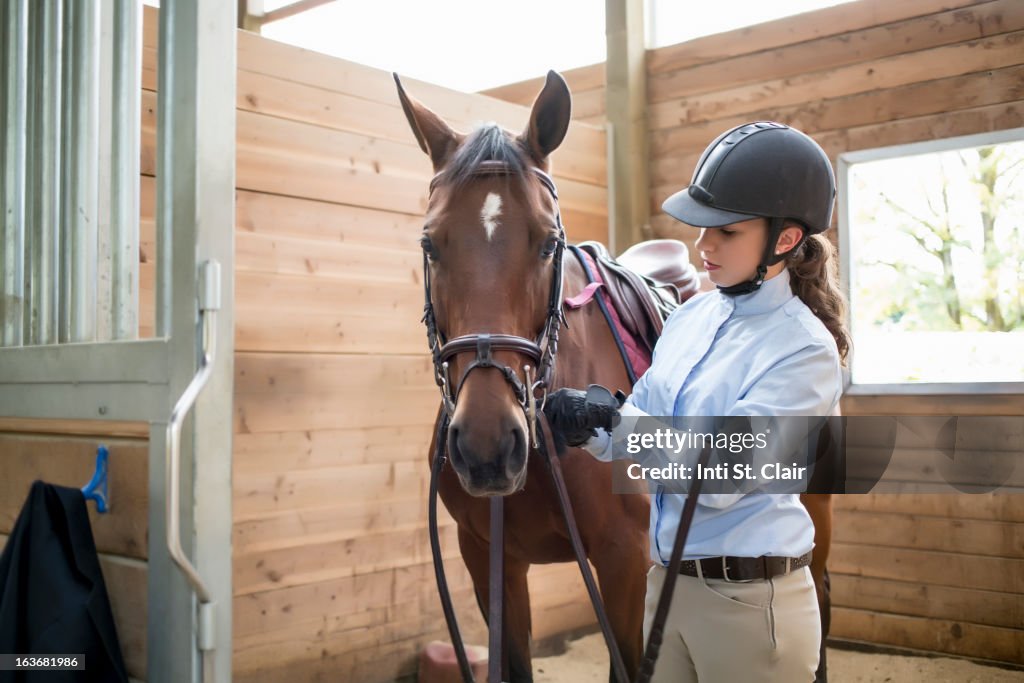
(646, 283)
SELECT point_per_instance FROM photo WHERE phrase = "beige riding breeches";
(721, 632)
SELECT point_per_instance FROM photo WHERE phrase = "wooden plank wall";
(940, 572)
(932, 572)
(860, 75)
(586, 84)
(334, 396)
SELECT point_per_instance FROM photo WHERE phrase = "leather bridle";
(541, 351)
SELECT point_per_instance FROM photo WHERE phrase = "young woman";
(769, 341)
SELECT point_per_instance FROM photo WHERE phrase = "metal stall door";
(69, 273)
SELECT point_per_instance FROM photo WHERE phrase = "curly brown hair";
(814, 277)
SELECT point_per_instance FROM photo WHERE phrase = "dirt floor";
(586, 661)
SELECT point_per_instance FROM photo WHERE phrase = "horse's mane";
(487, 143)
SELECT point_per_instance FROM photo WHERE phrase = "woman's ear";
(789, 238)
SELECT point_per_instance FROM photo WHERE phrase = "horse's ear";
(549, 119)
(436, 137)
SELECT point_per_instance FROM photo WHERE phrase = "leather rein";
(542, 352)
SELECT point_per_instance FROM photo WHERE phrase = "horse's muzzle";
(489, 467)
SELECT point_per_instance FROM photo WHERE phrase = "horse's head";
(493, 244)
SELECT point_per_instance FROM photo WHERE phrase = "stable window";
(933, 264)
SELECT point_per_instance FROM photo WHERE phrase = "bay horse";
(490, 242)
(491, 246)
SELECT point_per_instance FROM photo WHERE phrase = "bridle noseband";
(541, 352)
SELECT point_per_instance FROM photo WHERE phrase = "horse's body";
(491, 249)
(492, 245)
(614, 528)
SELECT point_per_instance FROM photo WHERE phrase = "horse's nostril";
(454, 449)
(515, 459)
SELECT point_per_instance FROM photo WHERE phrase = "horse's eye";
(549, 247)
(428, 248)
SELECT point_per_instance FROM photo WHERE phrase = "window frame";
(844, 162)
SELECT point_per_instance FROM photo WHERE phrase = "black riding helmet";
(759, 170)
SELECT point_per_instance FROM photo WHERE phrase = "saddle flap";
(642, 304)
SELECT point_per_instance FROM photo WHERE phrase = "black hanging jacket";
(53, 600)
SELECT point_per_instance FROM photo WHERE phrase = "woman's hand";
(575, 415)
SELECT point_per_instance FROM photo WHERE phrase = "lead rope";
(555, 466)
(657, 633)
(496, 591)
(435, 551)
(496, 586)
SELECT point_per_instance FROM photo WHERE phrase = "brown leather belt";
(738, 569)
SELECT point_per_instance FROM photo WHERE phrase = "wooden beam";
(626, 99)
(293, 9)
(250, 15)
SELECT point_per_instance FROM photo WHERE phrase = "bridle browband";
(541, 352)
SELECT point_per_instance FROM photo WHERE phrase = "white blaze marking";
(490, 212)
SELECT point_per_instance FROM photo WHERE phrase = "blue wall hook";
(96, 489)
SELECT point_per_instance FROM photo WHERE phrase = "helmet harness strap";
(768, 258)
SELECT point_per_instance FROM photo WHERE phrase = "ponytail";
(814, 277)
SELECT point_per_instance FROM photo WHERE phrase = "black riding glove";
(575, 415)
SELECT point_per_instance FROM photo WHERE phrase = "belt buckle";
(725, 572)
